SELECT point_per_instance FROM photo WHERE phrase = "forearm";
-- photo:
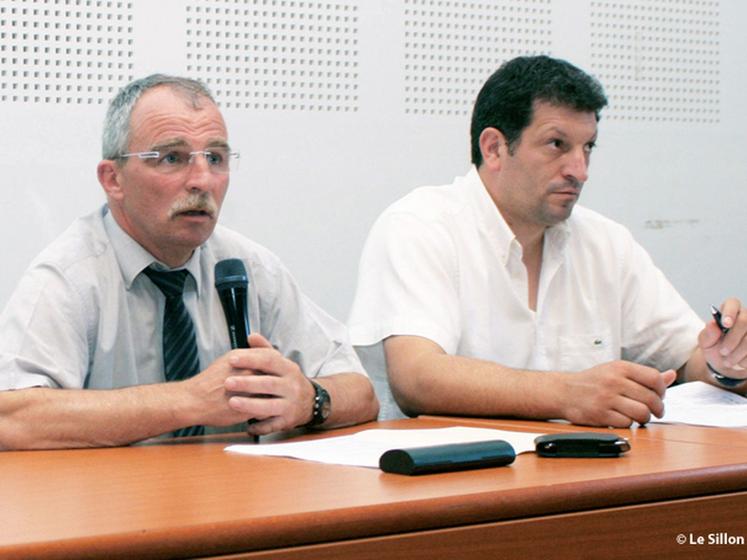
(425, 379)
(352, 397)
(694, 369)
(42, 418)
(444, 384)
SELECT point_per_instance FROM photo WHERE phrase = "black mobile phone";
(581, 444)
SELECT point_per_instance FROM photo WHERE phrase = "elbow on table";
(410, 400)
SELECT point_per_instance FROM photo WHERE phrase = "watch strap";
(320, 410)
(724, 380)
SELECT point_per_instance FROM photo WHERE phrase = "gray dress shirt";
(83, 315)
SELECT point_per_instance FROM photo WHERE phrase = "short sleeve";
(408, 283)
(44, 336)
(659, 328)
(298, 327)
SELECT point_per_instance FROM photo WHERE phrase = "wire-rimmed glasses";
(175, 160)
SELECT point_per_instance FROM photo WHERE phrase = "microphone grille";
(230, 273)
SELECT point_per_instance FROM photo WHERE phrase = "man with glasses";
(121, 311)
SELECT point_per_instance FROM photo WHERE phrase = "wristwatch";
(322, 406)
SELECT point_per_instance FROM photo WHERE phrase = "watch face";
(326, 406)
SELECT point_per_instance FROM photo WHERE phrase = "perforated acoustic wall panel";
(451, 47)
(341, 107)
(659, 61)
(64, 51)
(276, 54)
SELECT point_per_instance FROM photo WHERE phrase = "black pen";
(717, 317)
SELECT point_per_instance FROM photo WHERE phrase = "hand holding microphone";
(232, 284)
(278, 392)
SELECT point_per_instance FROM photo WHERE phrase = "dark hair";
(506, 100)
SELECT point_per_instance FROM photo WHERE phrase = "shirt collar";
(133, 258)
(492, 224)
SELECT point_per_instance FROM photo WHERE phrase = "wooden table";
(194, 499)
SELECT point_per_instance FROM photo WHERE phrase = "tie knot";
(170, 282)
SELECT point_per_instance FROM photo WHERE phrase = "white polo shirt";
(441, 263)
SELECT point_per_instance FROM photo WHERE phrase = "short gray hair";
(116, 136)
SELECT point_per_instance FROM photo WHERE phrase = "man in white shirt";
(493, 299)
(89, 352)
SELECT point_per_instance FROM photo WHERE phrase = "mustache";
(195, 202)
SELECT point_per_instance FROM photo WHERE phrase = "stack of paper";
(705, 405)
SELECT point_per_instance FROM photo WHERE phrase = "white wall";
(339, 107)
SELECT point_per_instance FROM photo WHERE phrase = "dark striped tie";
(180, 358)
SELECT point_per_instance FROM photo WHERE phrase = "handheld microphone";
(232, 284)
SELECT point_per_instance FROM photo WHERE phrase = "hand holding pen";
(716, 314)
(731, 356)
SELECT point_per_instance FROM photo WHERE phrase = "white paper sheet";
(704, 405)
(364, 448)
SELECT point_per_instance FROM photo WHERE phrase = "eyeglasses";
(220, 160)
